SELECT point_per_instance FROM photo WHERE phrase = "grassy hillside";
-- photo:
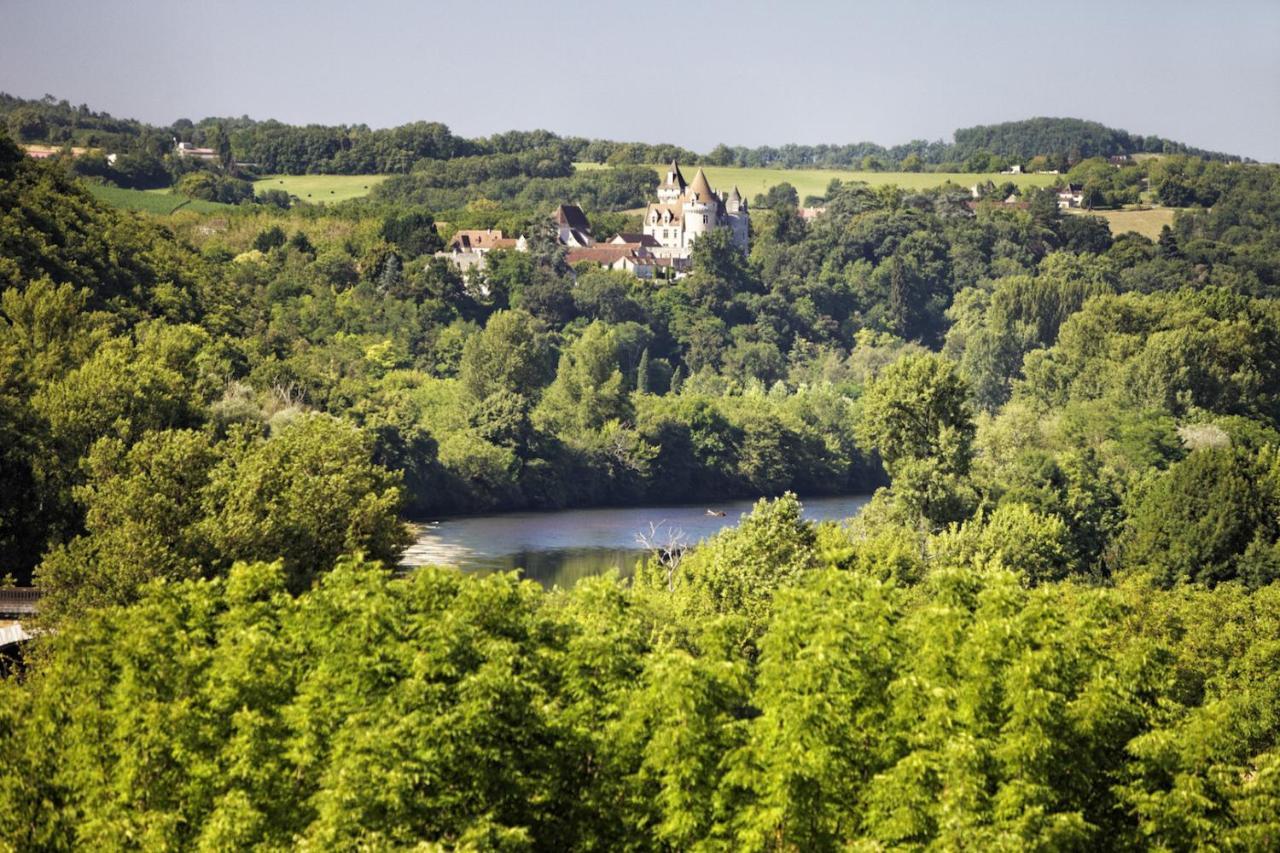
(321, 189)
(1145, 222)
(814, 181)
(160, 202)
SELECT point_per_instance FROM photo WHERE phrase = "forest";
(1053, 627)
(144, 156)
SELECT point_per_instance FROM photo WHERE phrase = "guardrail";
(19, 602)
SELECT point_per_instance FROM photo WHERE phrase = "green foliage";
(1054, 629)
(511, 354)
(212, 186)
(738, 572)
(436, 708)
(412, 231)
(306, 495)
(916, 415)
(589, 389)
(1210, 518)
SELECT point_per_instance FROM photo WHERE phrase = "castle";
(685, 211)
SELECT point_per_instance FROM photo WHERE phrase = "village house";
(467, 248)
(685, 211)
(1071, 196)
(186, 149)
(572, 226)
(633, 258)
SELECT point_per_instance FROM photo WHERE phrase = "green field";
(160, 202)
(814, 181)
(321, 189)
(1145, 222)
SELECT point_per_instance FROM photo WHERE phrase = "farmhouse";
(186, 149)
(685, 211)
(1070, 196)
(467, 248)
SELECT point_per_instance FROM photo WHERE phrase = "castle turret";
(738, 218)
(674, 186)
(702, 208)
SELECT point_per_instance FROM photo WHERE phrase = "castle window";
(704, 219)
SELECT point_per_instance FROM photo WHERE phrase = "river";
(558, 548)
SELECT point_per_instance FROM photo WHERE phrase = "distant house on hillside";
(186, 149)
(480, 240)
(1071, 196)
(808, 214)
(467, 248)
(572, 226)
(635, 258)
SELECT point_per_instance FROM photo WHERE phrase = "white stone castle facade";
(686, 211)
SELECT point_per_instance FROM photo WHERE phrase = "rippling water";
(560, 547)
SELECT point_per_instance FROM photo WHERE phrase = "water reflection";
(560, 548)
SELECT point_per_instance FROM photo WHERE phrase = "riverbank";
(559, 547)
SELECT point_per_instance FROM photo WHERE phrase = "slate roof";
(572, 216)
(675, 178)
(624, 237)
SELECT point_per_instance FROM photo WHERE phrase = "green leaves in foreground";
(481, 713)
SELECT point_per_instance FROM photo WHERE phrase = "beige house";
(467, 249)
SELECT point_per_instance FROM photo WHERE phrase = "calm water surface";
(558, 548)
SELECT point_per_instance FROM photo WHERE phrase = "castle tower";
(701, 208)
(739, 219)
(673, 187)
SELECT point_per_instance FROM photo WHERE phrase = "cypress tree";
(642, 372)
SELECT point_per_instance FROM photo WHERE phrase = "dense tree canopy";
(1052, 626)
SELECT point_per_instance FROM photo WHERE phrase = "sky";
(1202, 72)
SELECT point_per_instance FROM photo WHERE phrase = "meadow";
(751, 181)
(159, 202)
(320, 189)
(1146, 222)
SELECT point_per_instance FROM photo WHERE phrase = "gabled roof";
(577, 237)
(572, 216)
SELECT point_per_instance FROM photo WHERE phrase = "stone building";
(685, 211)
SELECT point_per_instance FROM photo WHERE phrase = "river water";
(558, 548)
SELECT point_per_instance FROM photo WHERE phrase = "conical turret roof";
(674, 178)
(702, 187)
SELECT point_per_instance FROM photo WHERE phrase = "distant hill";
(1073, 138)
(274, 147)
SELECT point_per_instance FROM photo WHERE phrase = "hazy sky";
(1205, 72)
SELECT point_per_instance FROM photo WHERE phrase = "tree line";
(274, 147)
